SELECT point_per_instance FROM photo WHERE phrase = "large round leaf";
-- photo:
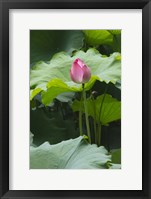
(104, 108)
(72, 154)
(45, 43)
(98, 37)
(54, 78)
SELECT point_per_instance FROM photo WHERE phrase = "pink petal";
(87, 74)
(80, 62)
(76, 72)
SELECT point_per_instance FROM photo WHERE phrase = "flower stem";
(95, 131)
(80, 122)
(94, 120)
(86, 115)
(99, 134)
(100, 112)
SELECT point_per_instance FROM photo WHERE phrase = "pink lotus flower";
(79, 72)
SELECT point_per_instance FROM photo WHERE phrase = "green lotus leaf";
(98, 37)
(66, 97)
(71, 154)
(115, 32)
(52, 126)
(104, 108)
(53, 78)
(115, 166)
(45, 43)
(116, 156)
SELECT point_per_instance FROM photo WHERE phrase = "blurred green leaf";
(98, 37)
(45, 43)
(71, 154)
(104, 108)
(115, 32)
(116, 156)
(66, 97)
(49, 125)
(116, 46)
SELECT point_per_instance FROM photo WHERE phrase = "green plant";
(90, 100)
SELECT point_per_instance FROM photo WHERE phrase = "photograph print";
(75, 99)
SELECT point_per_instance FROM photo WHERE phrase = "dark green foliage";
(53, 124)
(45, 43)
(51, 116)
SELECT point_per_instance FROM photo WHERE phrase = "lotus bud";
(79, 72)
